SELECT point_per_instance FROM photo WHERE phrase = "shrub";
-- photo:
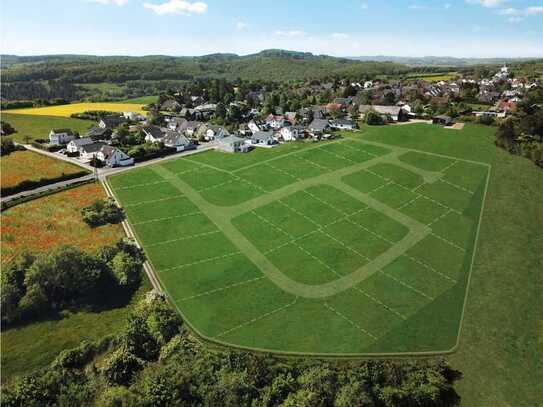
(119, 368)
(373, 118)
(102, 212)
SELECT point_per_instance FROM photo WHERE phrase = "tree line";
(156, 361)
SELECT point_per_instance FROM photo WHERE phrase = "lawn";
(500, 349)
(38, 127)
(68, 110)
(143, 100)
(363, 247)
(40, 225)
(30, 166)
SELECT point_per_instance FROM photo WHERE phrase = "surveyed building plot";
(341, 248)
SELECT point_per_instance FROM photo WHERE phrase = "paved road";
(45, 188)
(101, 172)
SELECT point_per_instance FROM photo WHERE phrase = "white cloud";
(515, 19)
(240, 26)
(534, 10)
(509, 11)
(116, 2)
(291, 33)
(340, 36)
(177, 7)
(487, 3)
(365, 6)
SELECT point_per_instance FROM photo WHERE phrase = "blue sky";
(462, 28)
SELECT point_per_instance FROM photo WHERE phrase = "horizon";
(456, 29)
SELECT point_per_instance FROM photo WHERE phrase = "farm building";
(444, 120)
(395, 113)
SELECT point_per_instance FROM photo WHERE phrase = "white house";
(276, 122)
(343, 124)
(113, 157)
(133, 116)
(215, 132)
(88, 151)
(264, 138)
(74, 145)
(232, 144)
(257, 125)
(153, 134)
(61, 136)
(292, 133)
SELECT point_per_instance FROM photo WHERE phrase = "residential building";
(292, 133)
(153, 134)
(395, 113)
(177, 140)
(111, 122)
(319, 127)
(343, 124)
(113, 157)
(265, 138)
(88, 151)
(74, 145)
(61, 136)
(232, 144)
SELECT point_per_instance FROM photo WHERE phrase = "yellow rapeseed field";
(68, 110)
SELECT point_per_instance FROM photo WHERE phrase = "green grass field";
(38, 127)
(346, 247)
(143, 100)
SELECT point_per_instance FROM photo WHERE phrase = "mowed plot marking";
(222, 218)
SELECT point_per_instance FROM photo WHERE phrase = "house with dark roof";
(74, 145)
(170, 105)
(177, 140)
(88, 151)
(318, 127)
(61, 136)
(175, 123)
(291, 133)
(111, 122)
(99, 133)
(444, 120)
(153, 134)
(113, 157)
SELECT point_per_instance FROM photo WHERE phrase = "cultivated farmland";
(68, 110)
(346, 247)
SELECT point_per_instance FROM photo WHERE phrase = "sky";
(459, 28)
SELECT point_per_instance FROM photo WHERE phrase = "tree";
(6, 128)
(102, 212)
(139, 341)
(13, 288)
(7, 147)
(373, 118)
(126, 269)
(353, 394)
(119, 368)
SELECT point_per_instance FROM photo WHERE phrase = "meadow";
(38, 127)
(363, 247)
(143, 100)
(68, 110)
(30, 166)
(41, 225)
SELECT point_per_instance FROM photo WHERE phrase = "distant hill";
(443, 61)
(277, 65)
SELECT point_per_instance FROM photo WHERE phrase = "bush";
(102, 212)
(7, 129)
(120, 367)
(373, 118)
(75, 358)
(7, 147)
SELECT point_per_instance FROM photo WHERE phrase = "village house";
(134, 117)
(257, 125)
(343, 124)
(292, 133)
(170, 105)
(153, 134)
(232, 144)
(99, 133)
(215, 132)
(264, 138)
(74, 145)
(113, 157)
(395, 113)
(276, 121)
(443, 120)
(177, 140)
(61, 136)
(190, 128)
(175, 123)
(318, 128)
(88, 151)
(111, 122)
